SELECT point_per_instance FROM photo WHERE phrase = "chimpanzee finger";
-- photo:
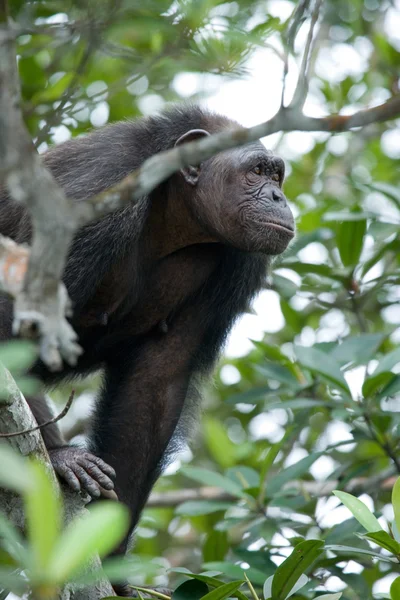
(109, 495)
(106, 468)
(96, 474)
(70, 477)
(87, 482)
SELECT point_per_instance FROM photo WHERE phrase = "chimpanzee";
(156, 287)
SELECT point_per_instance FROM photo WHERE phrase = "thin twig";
(54, 420)
(362, 323)
(288, 40)
(301, 91)
(384, 444)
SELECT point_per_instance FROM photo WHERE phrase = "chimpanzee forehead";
(252, 150)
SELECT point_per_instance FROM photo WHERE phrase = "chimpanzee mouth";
(279, 227)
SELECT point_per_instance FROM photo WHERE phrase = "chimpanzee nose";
(275, 194)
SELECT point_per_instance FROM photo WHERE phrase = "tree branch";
(60, 416)
(357, 486)
(301, 91)
(43, 302)
(15, 416)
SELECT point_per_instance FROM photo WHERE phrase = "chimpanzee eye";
(257, 170)
(275, 177)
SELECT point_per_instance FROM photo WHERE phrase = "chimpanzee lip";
(279, 226)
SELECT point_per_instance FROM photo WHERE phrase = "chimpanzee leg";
(143, 398)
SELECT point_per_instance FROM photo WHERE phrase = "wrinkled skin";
(252, 214)
(82, 470)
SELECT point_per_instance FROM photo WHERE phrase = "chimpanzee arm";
(51, 434)
(143, 399)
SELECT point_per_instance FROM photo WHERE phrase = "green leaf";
(235, 571)
(13, 543)
(347, 216)
(330, 596)
(190, 590)
(350, 550)
(359, 511)
(17, 355)
(218, 443)
(54, 92)
(291, 473)
(303, 268)
(215, 546)
(194, 508)
(223, 591)
(373, 385)
(246, 476)
(267, 590)
(278, 373)
(150, 592)
(350, 239)
(208, 577)
(357, 350)
(387, 363)
(252, 396)
(118, 568)
(318, 362)
(15, 473)
(391, 388)
(99, 532)
(298, 403)
(13, 581)
(384, 540)
(43, 514)
(289, 572)
(395, 589)
(207, 477)
(385, 188)
(396, 502)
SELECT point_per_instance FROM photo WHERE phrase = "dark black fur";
(147, 374)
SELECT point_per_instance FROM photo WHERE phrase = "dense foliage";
(314, 406)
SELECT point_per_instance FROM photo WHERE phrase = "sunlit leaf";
(14, 470)
(319, 362)
(354, 551)
(98, 532)
(194, 508)
(291, 473)
(396, 502)
(395, 589)
(207, 477)
(190, 590)
(384, 540)
(357, 349)
(359, 511)
(43, 513)
(17, 355)
(288, 574)
(350, 239)
(224, 591)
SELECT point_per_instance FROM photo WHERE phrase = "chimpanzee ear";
(191, 173)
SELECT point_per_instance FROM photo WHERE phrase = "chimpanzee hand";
(82, 470)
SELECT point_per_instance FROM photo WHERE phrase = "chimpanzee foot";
(82, 470)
